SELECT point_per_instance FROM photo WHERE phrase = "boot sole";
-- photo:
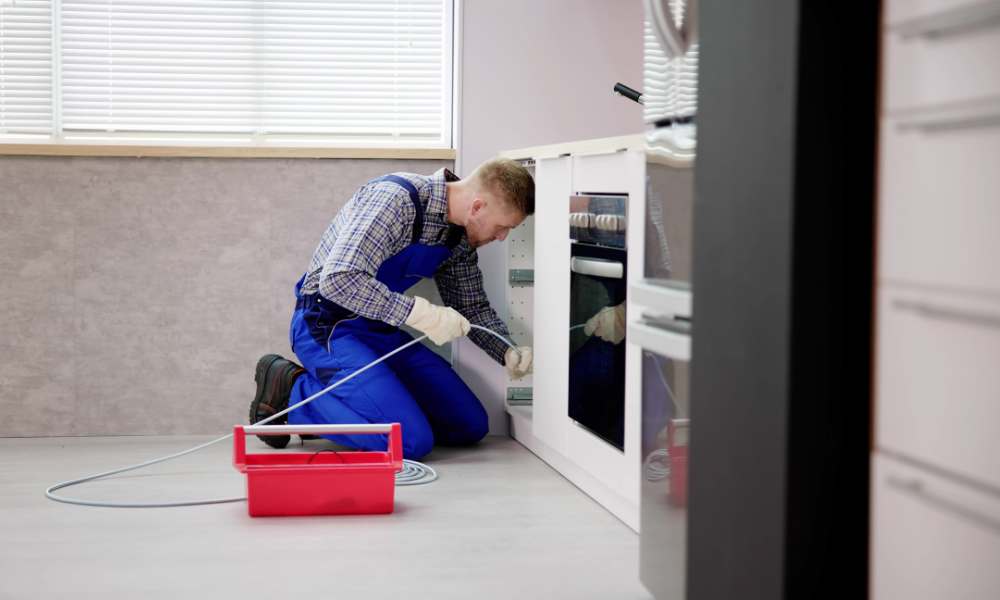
(262, 378)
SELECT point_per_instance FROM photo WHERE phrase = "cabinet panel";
(938, 381)
(901, 11)
(604, 173)
(553, 178)
(944, 54)
(939, 195)
(932, 538)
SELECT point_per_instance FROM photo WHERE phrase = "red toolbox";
(677, 435)
(319, 483)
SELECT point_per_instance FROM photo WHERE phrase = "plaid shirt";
(377, 223)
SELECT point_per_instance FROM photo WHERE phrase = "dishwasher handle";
(597, 267)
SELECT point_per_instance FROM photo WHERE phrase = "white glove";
(441, 323)
(518, 361)
(608, 324)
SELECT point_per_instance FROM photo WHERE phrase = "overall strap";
(455, 234)
(418, 222)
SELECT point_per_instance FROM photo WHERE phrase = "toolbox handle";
(318, 429)
(394, 430)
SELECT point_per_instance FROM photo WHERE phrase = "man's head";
(496, 198)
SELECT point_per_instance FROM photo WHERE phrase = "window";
(245, 72)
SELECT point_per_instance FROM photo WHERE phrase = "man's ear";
(478, 204)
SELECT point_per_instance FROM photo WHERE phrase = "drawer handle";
(980, 114)
(916, 489)
(949, 314)
(981, 15)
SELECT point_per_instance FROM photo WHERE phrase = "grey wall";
(542, 72)
(537, 73)
(137, 294)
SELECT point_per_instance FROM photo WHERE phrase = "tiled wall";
(137, 294)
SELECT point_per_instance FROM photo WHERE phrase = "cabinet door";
(939, 199)
(613, 173)
(554, 177)
(938, 53)
(938, 380)
(932, 537)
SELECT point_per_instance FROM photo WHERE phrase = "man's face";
(490, 218)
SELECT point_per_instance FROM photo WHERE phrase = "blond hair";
(510, 179)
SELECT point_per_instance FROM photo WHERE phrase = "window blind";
(25, 68)
(671, 84)
(337, 72)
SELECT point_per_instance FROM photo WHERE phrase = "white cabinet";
(936, 470)
(899, 12)
(599, 173)
(932, 537)
(609, 166)
(940, 52)
(938, 381)
(553, 187)
(939, 196)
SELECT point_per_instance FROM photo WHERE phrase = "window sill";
(222, 151)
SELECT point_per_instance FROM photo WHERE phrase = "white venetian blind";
(25, 67)
(670, 84)
(361, 72)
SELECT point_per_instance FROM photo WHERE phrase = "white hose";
(413, 473)
(657, 465)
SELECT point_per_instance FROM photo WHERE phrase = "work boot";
(274, 376)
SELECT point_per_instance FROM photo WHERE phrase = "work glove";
(441, 323)
(518, 361)
(608, 324)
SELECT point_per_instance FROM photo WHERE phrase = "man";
(349, 306)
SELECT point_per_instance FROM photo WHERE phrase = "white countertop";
(655, 151)
(580, 147)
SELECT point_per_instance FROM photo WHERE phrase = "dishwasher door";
(663, 498)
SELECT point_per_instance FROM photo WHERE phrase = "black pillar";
(783, 268)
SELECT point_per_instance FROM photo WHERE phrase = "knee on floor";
(417, 444)
(471, 432)
(479, 429)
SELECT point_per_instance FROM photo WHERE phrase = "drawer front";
(938, 380)
(901, 11)
(942, 55)
(606, 173)
(939, 198)
(932, 538)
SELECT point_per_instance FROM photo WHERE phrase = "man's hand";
(608, 324)
(518, 361)
(441, 323)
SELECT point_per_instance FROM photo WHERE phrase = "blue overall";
(416, 388)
